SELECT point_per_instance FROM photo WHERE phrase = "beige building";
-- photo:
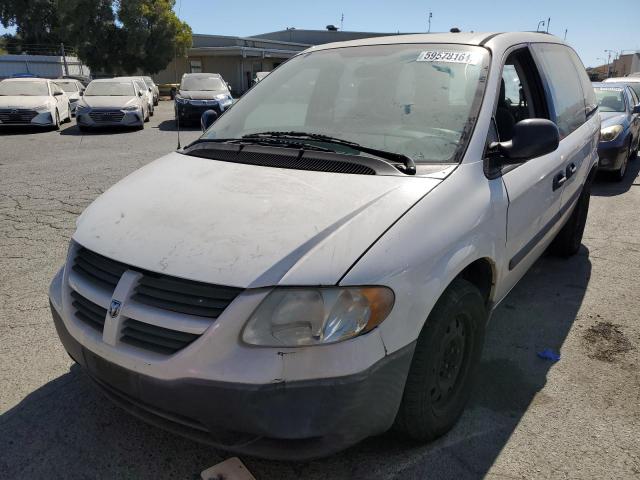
(626, 64)
(238, 59)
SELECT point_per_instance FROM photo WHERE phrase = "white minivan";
(321, 264)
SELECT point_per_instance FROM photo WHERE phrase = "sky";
(593, 26)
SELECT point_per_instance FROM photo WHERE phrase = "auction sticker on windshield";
(448, 57)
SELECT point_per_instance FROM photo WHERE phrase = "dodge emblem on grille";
(114, 308)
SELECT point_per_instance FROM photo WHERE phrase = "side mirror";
(149, 88)
(636, 109)
(81, 93)
(532, 138)
(139, 94)
(207, 119)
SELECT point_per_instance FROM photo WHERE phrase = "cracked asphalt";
(528, 418)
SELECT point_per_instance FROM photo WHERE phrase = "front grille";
(20, 115)
(184, 296)
(106, 116)
(156, 339)
(88, 312)
(169, 294)
(98, 270)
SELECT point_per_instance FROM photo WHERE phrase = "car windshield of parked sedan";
(67, 86)
(118, 89)
(202, 83)
(610, 99)
(419, 100)
(24, 88)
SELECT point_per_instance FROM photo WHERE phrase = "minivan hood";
(109, 101)
(23, 101)
(242, 225)
(201, 94)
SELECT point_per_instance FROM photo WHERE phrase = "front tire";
(568, 240)
(56, 123)
(444, 363)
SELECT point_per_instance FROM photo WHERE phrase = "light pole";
(541, 22)
(609, 52)
(565, 34)
(429, 29)
(548, 23)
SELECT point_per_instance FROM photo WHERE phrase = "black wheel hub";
(450, 361)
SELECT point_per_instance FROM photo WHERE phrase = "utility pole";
(429, 28)
(608, 62)
(548, 23)
(565, 34)
(64, 59)
(341, 22)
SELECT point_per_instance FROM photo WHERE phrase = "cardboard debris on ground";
(231, 469)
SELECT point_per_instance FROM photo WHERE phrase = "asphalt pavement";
(528, 418)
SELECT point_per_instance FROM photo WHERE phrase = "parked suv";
(322, 263)
(199, 92)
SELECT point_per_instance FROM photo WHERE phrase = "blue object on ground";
(548, 354)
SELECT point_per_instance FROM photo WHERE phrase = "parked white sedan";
(73, 88)
(33, 101)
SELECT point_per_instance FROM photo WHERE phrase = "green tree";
(112, 36)
(152, 34)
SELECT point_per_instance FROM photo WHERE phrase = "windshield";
(24, 88)
(415, 100)
(610, 99)
(67, 86)
(201, 83)
(124, 88)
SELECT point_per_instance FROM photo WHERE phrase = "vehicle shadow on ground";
(605, 186)
(170, 126)
(23, 130)
(66, 429)
(75, 131)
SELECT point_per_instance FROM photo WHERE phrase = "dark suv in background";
(199, 92)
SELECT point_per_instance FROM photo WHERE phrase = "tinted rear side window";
(565, 86)
(590, 101)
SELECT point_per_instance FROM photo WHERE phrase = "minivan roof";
(463, 38)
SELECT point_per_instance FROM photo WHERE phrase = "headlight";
(82, 109)
(181, 100)
(291, 317)
(42, 108)
(610, 133)
(131, 108)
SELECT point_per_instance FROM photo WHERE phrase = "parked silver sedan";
(112, 102)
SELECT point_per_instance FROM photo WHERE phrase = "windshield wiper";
(408, 165)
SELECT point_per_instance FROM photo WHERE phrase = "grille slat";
(88, 312)
(158, 339)
(184, 296)
(98, 270)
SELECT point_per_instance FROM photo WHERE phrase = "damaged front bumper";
(294, 421)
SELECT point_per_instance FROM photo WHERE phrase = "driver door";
(533, 188)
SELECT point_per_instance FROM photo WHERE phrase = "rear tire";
(444, 363)
(83, 129)
(56, 123)
(619, 174)
(568, 240)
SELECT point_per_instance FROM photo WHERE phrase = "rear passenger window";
(565, 86)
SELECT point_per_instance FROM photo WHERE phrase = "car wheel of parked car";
(568, 240)
(56, 123)
(151, 111)
(155, 102)
(82, 128)
(68, 112)
(447, 354)
(618, 175)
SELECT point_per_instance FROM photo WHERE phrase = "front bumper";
(191, 113)
(286, 420)
(25, 117)
(612, 154)
(110, 118)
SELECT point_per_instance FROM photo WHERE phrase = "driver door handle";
(571, 169)
(559, 180)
